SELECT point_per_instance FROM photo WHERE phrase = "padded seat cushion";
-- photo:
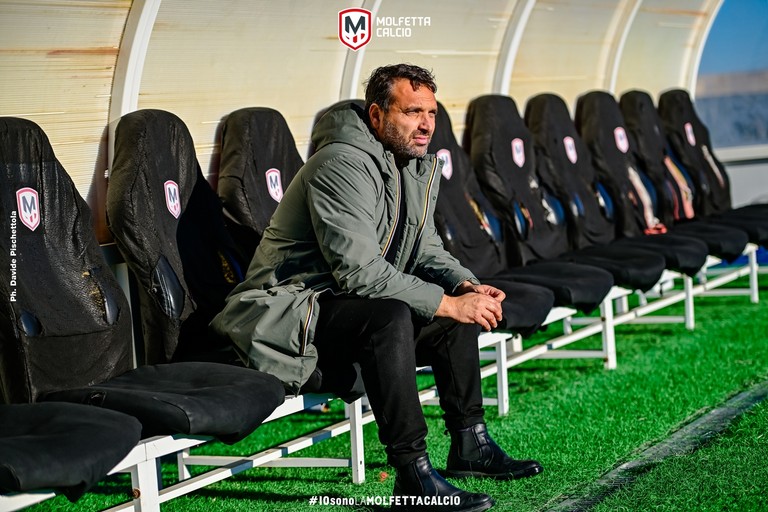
(580, 286)
(723, 241)
(631, 267)
(227, 402)
(525, 307)
(62, 447)
(756, 226)
(682, 253)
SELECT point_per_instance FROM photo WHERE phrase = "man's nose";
(427, 123)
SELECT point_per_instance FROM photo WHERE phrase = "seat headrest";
(59, 287)
(259, 159)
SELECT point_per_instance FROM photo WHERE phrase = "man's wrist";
(464, 287)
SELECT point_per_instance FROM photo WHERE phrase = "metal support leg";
(690, 318)
(502, 379)
(181, 464)
(355, 412)
(567, 326)
(608, 334)
(753, 295)
(145, 478)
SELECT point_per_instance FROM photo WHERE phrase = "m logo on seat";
(445, 156)
(518, 152)
(570, 149)
(172, 199)
(28, 203)
(274, 184)
(355, 27)
(689, 134)
(621, 139)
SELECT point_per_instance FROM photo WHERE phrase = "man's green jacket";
(328, 235)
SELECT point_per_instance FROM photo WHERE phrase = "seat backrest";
(601, 126)
(689, 139)
(168, 224)
(64, 321)
(502, 154)
(651, 149)
(589, 205)
(463, 216)
(258, 161)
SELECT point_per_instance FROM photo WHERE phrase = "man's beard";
(398, 144)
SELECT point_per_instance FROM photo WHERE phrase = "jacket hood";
(347, 123)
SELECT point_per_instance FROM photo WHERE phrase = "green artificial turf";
(575, 417)
(729, 474)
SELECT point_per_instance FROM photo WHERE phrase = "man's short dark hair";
(378, 88)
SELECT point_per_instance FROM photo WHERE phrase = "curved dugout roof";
(74, 67)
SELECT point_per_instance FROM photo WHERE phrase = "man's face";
(407, 127)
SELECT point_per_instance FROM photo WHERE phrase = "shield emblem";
(518, 152)
(274, 184)
(570, 149)
(354, 27)
(689, 134)
(172, 199)
(621, 139)
(445, 156)
(28, 203)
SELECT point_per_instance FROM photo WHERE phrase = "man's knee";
(394, 316)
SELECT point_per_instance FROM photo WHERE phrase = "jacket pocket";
(274, 329)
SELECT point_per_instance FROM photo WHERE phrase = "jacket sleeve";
(436, 265)
(433, 262)
(340, 195)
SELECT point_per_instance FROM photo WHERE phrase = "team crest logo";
(28, 203)
(621, 139)
(274, 184)
(689, 134)
(355, 28)
(518, 152)
(172, 199)
(445, 156)
(570, 149)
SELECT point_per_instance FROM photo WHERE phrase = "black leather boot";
(474, 453)
(419, 487)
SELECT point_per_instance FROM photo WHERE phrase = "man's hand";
(468, 287)
(475, 304)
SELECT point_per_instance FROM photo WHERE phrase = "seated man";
(351, 270)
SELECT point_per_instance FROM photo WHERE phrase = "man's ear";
(375, 114)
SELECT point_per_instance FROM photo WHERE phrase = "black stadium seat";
(61, 310)
(601, 126)
(464, 227)
(691, 144)
(168, 224)
(61, 447)
(258, 161)
(69, 339)
(599, 219)
(666, 170)
(465, 221)
(527, 189)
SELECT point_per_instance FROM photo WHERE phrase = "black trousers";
(382, 336)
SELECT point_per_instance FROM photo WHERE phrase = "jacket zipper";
(423, 222)
(398, 198)
(305, 334)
